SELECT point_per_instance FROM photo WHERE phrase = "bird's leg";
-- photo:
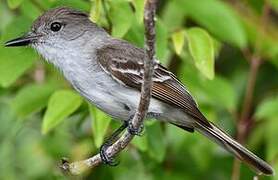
(134, 131)
(114, 137)
(108, 142)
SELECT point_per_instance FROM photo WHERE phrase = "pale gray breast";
(97, 87)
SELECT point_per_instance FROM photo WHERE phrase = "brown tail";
(224, 140)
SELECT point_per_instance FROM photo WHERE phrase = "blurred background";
(225, 51)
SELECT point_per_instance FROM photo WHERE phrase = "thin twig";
(76, 168)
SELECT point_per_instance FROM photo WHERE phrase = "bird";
(108, 72)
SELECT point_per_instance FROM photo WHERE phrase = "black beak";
(22, 41)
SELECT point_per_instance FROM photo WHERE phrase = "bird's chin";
(48, 52)
(42, 50)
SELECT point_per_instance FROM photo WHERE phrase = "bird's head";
(58, 30)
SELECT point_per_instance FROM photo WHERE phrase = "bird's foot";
(135, 131)
(105, 157)
(112, 139)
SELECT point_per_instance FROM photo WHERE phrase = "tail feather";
(217, 135)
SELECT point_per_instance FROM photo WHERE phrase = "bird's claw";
(104, 156)
(135, 131)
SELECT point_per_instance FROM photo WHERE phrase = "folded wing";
(125, 63)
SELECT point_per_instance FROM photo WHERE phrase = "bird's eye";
(56, 26)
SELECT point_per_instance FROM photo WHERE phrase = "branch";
(76, 168)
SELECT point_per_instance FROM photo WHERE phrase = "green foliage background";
(211, 45)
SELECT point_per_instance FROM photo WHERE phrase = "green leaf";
(268, 108)
(156, 144)
(218, 18)
(173, 15)
(121, 16)
(81, 5)
(201, 48)
(135, 34)
(178, 41)
(46, 4)
(30, 10)
(31, 99)
(62, 103)
(15, 28)
(14, 3)
(207, 91)
(227, 97)
(95, 11)
(161, 41)
(217, 47)
(14, 61)
(268, 47)
(139, 10)
(6, 16)
(200, 150)
(140, 142)
(100, 123)
(274, 4)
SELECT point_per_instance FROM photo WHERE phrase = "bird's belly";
(102, 91)
(115, 99)
(110, 96)
(103, 98)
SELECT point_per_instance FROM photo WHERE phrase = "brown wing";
(124, 62)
